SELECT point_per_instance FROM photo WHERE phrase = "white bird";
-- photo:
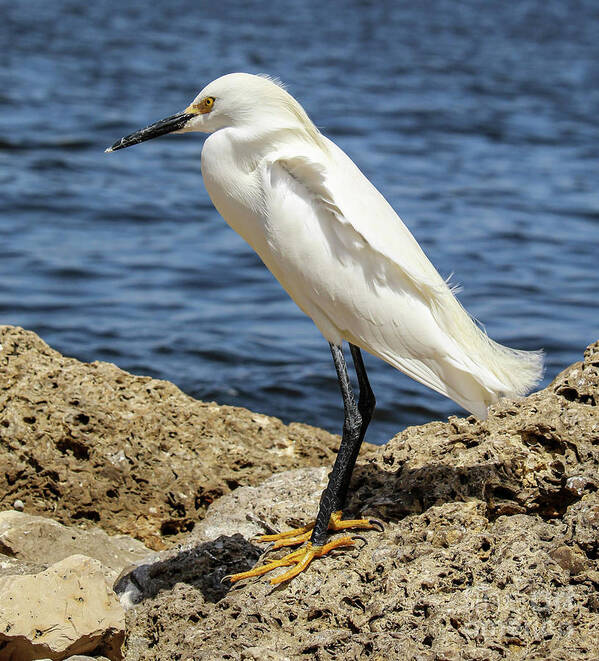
(347, 260)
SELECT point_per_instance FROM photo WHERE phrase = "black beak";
(168, 125)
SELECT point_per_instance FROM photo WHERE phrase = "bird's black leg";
(366, 406)
(355, 422)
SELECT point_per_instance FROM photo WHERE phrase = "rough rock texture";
(491, 545)
(90, 443)
(490, 550)
(219, 544)
(13, 567)
(67, 609)
(83, 657)
(36, 539)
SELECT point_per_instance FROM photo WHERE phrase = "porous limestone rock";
(221, 543)
(82, 657)
(490, 550)
(92, 444)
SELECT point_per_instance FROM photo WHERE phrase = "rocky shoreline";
(124, 503)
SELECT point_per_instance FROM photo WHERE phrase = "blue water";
(478, 121)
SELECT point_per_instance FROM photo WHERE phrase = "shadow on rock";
(202, 566)
(392, 496)
(533, 456)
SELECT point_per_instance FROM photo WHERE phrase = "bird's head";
(257, 104)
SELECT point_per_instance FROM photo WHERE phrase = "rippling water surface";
(478, 121)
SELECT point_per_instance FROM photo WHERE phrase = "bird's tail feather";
(499, 370)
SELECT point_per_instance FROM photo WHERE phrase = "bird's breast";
(235, 189)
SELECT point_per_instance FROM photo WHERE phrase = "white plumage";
(339, 249)
(349, 262)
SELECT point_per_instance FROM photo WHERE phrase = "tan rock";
(82, 657)
(260, 653)
(10, 566)
(571, 559)
(67, 609)
(490, 550)
(91, 444)
(39, 539)
(285, 500)
(217, 546)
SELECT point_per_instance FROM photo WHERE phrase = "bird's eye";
(202, 107)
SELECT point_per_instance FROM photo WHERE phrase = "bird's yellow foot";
(300, 558)
(301, 535)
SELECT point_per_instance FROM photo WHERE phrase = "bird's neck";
(251, 146)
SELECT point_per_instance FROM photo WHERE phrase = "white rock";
(38, 539)
(273, 502)
(67, 609)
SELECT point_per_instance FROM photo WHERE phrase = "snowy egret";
(348, 261)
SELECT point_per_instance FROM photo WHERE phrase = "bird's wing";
(339, 186)
(454, 357)
(357, 207)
